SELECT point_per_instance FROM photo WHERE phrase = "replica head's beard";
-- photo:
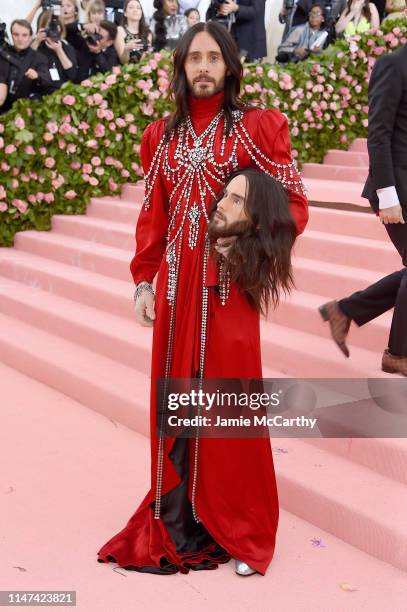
(223, 229)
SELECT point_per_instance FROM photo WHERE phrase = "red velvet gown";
(236, 494)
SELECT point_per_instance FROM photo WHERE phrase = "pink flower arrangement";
(69, 100)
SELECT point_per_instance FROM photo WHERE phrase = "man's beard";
(205, 92)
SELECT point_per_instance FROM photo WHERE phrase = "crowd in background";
(68, 40)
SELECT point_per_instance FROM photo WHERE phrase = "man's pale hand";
(393, 214)
(223, 245)
(31, 74)
(144, 307)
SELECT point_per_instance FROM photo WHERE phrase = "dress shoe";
(339, 324)
(393, 364)
(243, 569)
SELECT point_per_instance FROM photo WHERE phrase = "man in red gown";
(218, 499)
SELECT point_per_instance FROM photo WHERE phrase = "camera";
(51, 5)
(93, 39)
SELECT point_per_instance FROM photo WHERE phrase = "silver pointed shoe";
(243, 569)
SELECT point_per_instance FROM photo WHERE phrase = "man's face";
(105, 40)
(316, 17)
(21, 37)
(230, 217)
(205, 68)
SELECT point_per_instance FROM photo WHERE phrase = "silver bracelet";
(140, 288)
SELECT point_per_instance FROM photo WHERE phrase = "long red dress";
(236, 496)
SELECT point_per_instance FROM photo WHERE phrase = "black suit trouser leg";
(388, 292)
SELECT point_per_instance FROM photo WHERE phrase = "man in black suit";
(386, 190)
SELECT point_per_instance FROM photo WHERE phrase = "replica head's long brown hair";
(179, 86)
(259, 261)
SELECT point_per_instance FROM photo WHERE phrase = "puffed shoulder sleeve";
(273, 140)
(152, 223)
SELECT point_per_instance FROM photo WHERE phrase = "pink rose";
(111, 79)
(10, 149)
(1, 142)
(87, 168)
(95, 161)
(52, 127)
(109, 161)
(75, 165)
(92, 144)
(3, 207)
(49, 197)
(93, 181)
(32, 199)
(97, 98)
(99, 130)
(2, 192)
(42, 151)
(120, 122)
(109, 115)
(29, 150)
(99, 171)
(19, 123)
(112, 185)
(130, 89)
(14, 183)
(48, 137)
(49, 162)
(87, 83)
(116, 70)
(71, 148)
(69, 100)
(70, 195)
(20, 205)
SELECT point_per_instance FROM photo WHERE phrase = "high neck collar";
(205, 107)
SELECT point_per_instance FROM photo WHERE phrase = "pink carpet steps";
(67, 322)
(339, 180)
(81, 475)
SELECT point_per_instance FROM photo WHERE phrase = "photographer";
(61, 56)
(304, 40)
(3, 81)
(101, 49)
(245, 20)
(28, 75)
(133, 36)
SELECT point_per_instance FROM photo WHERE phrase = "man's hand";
(393, 214)
(144, 307)
(300, 52)
(54, 45)
(31, 74)
(223, 245)
(228, 7)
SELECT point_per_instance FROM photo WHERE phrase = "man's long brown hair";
(259, 261)
(179, 87)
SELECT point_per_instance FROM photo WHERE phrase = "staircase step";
(359, 145)
(110, 261)
(121, 212)
(303, 355)
(300, 311)
(374, 255)
(334, 172)
(318, 483)
(338, 194)
(84, 286)
(118, 338)
(93, 229)
(133, 192)
(117, 391)
(333, 280)
(346, 158)
(346, 223)
(387, 456)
